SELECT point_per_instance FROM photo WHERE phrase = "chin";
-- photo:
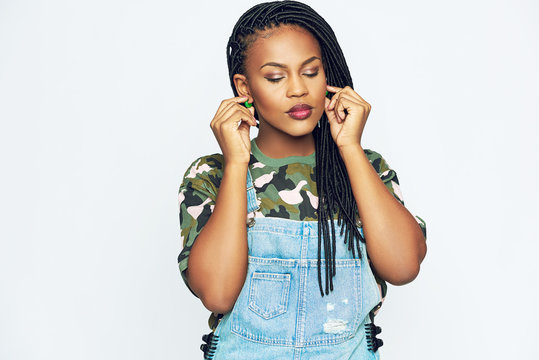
(304, 129)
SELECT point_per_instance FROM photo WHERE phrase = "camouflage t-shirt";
(286, 188)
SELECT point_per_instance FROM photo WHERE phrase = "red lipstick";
(300, 111)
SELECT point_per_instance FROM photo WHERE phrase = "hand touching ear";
(347, 114)
(231, 125)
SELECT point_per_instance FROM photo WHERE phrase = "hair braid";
(333, 185)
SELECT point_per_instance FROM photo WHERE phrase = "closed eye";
(279, 79)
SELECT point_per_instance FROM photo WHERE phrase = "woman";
(265, 210)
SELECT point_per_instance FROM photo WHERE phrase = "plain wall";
(104, 104)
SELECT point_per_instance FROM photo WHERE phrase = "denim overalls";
(280, 313)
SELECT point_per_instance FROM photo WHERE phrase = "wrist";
(236, 166)
(236, 160)
(350, 149)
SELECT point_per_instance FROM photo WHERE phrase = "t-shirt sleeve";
(391, 181)
(196, 198)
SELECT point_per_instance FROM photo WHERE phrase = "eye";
(274, 80)
(312, 75)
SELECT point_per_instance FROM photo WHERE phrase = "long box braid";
(333, 185)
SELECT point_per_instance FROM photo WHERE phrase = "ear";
(242, 86)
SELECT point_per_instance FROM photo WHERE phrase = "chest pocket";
(268, 294)
(265, 310)
(280, 303)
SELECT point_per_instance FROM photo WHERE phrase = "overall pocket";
(265, 311)
(268, 295)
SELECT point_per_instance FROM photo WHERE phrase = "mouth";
(300, 111)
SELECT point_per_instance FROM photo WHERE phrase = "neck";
(278, 145)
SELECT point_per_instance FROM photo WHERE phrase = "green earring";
(247, 104)
(327, 92)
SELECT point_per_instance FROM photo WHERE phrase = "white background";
(104, 104)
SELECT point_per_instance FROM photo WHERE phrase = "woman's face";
(285, 69)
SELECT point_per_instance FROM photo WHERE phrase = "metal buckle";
(251, 221)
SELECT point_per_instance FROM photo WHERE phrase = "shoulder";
(372, 155)
(377, 160)
(205, 164)
(206, 171)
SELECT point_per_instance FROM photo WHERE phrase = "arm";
(218, 259)
(394, 239)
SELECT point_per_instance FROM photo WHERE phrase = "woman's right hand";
(234, 140)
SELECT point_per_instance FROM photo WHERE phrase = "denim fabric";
(280, 313)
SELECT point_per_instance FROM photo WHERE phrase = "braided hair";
(333, 185)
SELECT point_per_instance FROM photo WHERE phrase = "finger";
(333, 89)
(225, 104)
(243, 126)
(330, 114)
(334, 99)
(220, 115)
(347, 103)
(352, 93)
(337, 93)
(348, 90)
(230, 109)
(252, 110)
(239, 99)
(356, 103)
(235, 114)
(228, 106)
(350, 98)
(246, 116)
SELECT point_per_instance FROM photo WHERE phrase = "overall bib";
(280, 313)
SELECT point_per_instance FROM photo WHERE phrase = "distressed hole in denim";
(335, 326)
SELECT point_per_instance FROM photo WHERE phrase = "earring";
(247, 104)
(327, 92)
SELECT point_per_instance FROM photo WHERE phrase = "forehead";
(289, 45)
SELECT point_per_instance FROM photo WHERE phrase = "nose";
(296, 87)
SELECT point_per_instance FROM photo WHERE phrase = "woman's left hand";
(346, 128)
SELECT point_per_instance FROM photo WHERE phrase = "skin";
(218, 259)
(281, 57)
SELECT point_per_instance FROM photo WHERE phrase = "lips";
(300, 111)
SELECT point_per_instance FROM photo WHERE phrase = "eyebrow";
(284, 66)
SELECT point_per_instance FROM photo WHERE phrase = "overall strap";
(252, 204)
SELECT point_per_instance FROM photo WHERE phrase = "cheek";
(267, 99)
(322, 85)
(321, 94)
(319, 85)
